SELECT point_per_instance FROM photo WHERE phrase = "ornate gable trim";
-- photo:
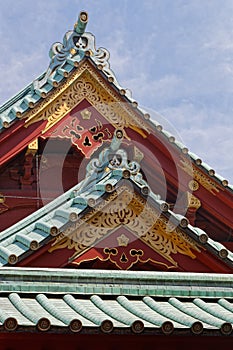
(86, 83)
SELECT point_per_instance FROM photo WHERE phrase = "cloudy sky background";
(176, 56)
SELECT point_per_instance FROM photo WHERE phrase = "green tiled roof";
(134, 302)
(35, 230)
(65, 58)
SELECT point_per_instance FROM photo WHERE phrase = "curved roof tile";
(137, 309)
(64, 59)
(32, 232)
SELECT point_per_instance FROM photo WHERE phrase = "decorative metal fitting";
(34, 245)
(10, 324)
(203, 238)
(43, 94)
(223, 253)
(134, 104)
(12, 259)
(119, 134)
(197, 328)
(64, 73)
(109, 188)
(6, 124)
(185, 150)
(164, 207)
(137, 327)
(73, 51)
(145, 190)
(88, 54)
(224, 183)
(159, 128)
(18, 114)
(184, 222)
(211, 172)
(73, 216)
(91, 202)
(43, 324)
(167, 327)
(198, 161)
(172, 139)
(126, 174)
(83, 16)
(106, 326)
(75, 325)
(147, 116)
(226, 328)
(2, 198)
(54, 231)
(193, 185)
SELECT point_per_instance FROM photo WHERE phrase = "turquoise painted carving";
(111, 158)
(76, 43)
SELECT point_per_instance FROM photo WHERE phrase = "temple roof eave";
(108, 301)
(103, 177)
(31, 96)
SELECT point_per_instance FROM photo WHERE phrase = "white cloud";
(175, 56)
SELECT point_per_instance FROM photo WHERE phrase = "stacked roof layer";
(34, 231)
(135, 302)
(65, 58)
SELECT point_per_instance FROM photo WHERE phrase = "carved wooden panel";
(124, 208)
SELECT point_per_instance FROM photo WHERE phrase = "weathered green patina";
(108, 300)
(103, 175)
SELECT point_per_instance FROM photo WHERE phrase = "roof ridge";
(103, 175)
(78, 44)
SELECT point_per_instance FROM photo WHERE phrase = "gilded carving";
(138, 155)
(193, 185)
(85, 83)
(201, 178)
(3, 206)
(2, 198)
(124, 208)
(86, 114)
(122, 240)
(193, 201)
(167, 244)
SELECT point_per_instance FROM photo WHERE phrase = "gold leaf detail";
(85, 83)
(86, 114)
(193, 185)
(137, 216)
(122, 240)
(190, 169)
(193, 202)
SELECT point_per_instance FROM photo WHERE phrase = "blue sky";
(176, 56)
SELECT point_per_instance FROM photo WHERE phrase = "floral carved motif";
(84, 83)
(130, 210)
(198, 176)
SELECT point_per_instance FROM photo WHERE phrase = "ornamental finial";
(76, 45)
(81, 24)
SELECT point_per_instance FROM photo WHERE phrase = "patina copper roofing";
(109, 301)
(103, 176)
(65, 58)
